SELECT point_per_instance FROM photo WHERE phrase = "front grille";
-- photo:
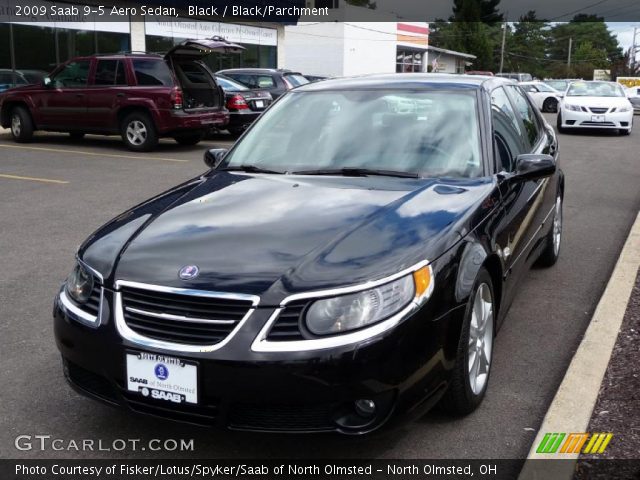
(289, 418)
(287, 325)
(181, 318)
(598, 110)
(599, 124)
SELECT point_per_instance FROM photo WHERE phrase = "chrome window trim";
(254, 299)
(134, 337)
(79, 315)
(261, 344)
(179, 318)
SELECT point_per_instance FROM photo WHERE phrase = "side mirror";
(534, 166)
(214, 156)
(46, 81)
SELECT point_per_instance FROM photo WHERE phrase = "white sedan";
(545, 97)
(591, 104)
(633, 94)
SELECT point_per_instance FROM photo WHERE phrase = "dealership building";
(31, 40)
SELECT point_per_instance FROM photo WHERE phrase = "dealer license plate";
(162, 378)
(597, 118)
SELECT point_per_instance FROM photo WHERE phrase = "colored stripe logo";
(594, 443)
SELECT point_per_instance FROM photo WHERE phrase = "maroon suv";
(140, 96)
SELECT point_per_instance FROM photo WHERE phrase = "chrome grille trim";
(178, 318)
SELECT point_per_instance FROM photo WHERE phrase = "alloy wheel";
(136, 132)
(557, 226)
(16, 125)
(480, 339)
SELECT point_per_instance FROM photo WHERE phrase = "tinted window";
(296, 80)
(527, 114)
(254, 81)
(230, 85)
(74, 74)
(110, 72)
(194, 73)
(152, 72)
(506, 130)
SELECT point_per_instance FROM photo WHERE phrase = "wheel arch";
(129, 109)
(8, 106)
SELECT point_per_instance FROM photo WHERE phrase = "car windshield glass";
(296, 80)
(230, 85)
(544, 88)
(594, 89)
(427, 133)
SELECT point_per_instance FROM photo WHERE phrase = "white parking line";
(32, 179)
(572, 407)
(95, 154)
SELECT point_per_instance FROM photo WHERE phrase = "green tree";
(525, 46)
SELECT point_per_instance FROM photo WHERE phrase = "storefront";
(41, 44)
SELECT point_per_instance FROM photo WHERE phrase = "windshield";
(230, 85)
(558, 84)
(427, 133)
(594, 89)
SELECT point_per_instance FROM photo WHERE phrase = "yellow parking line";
(33, 179)
(80, 152)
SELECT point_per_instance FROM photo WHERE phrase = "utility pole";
(569, 57)
(634, 49)
(504, 35)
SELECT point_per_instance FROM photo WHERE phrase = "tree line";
(532, 45)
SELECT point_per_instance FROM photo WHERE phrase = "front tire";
(475, 350)
(550, 105)
(553, 240)
(138, 132)
(21, 125)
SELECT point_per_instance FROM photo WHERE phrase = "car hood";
(603, 102)
(254, 233)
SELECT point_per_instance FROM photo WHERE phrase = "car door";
(64, 103)
(107, 90)
(517, 130)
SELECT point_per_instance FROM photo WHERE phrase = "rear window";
(254, 81)
(296, 80)
(230, 85)
(152, 73)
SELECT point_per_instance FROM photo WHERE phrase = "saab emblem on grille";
(189, 272)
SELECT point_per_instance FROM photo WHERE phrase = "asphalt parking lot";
(56, 191)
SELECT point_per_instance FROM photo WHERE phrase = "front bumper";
(404, 371)
(618, 120)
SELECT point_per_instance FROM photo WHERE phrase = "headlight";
(573, 108)
(79, 284)
(624, 109)
(357, 310)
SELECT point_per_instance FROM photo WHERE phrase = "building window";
(408, 61)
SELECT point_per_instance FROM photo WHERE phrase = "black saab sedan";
(348, 262)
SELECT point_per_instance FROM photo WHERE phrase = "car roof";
(408, 81)
(257, 70)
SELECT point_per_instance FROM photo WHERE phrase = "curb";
(571, 409)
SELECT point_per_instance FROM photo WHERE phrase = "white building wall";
(369, 47)
(315, 48)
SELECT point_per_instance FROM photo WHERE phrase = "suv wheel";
(138, 132)
(188, 139)
(21, 125)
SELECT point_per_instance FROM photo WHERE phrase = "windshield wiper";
(356, 172)
(250, 169)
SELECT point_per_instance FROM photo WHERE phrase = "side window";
(74, 74)
(507, 136)
(527, 115)
(152, 73)
(110, 72)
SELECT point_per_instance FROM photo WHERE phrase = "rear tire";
(21, 125)
(138, 132)
(550, 105)
(190, 139)
(553, 240)
(76, 135)
(470, 377)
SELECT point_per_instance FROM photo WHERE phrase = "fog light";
(365, 408)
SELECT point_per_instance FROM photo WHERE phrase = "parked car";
(276, 82)
(545, 97)
(316, 78)
(343, 266)
(140, 96)
(595, 104)
(559, 85)
(518, 77)
(244, 104)
(34, 76)
(633, 94)
(11, 79)
(480, 72)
